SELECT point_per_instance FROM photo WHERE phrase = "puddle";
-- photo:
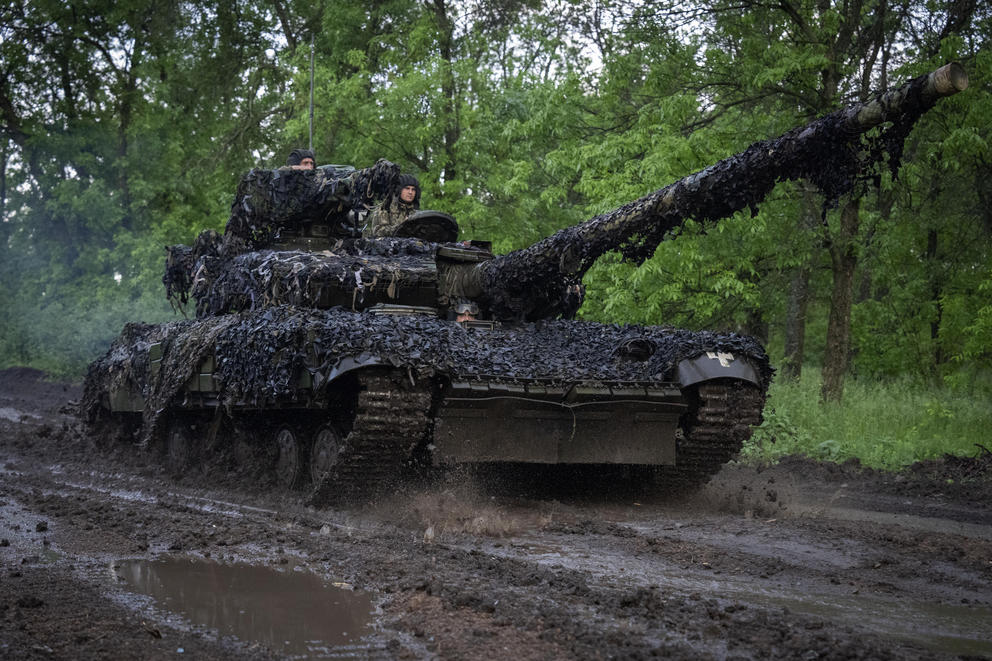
(292, 613)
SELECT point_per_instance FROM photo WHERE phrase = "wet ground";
(103, 555)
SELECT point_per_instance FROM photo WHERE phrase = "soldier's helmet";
(297, 155)
(402, 182)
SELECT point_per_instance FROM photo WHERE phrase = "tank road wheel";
(290, 457)
(327, 448)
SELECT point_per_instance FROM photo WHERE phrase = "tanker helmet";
(405, 180)
(297, 155)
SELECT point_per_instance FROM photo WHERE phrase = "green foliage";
(125, 127)
(977, 344)
(927, 262)
(884, 424)
(62, 327)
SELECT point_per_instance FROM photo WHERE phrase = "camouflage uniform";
(385, 218)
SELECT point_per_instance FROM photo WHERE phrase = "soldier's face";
(307, 164)
(408, 194)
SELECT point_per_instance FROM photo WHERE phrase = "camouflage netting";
(259, 354)
(126, 366)
(184, 263)
(833, 153)
(269, 200)
(349, 269)
(118, 367)
(267, 203)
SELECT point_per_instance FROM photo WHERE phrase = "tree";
(142, 93)
(815, 56)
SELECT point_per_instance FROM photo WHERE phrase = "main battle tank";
(341, 359)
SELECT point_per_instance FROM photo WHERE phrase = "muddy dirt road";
(105, 556)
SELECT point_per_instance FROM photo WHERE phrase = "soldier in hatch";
(300, 159)
(401, 201)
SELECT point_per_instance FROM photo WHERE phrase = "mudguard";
(716, 365)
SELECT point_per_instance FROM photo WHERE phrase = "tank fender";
(716, 365)
(343, 366)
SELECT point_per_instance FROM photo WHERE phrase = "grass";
(883, 424)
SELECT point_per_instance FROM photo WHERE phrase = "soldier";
(466, 310)
(402, 200)
(301, 159)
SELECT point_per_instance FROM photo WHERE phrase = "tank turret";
(331, 361)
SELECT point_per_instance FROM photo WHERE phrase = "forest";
(126, 126)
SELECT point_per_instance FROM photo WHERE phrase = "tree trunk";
(795, 313)
(755, 326)
(446, 46)
(936, 295)
(844, 259)
(795, 325)
(127, 97)
(3, 191)
(286, 23)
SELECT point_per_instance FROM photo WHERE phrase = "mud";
(799, 560)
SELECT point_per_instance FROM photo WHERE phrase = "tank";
(339, 360)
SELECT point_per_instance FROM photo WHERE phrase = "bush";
(884, 424)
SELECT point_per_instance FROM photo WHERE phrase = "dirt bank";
(104, 555)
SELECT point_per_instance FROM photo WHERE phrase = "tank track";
(726, 413)
(391, 420)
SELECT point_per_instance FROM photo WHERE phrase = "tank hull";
(343, 401)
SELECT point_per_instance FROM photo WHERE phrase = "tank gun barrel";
(830, 152)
